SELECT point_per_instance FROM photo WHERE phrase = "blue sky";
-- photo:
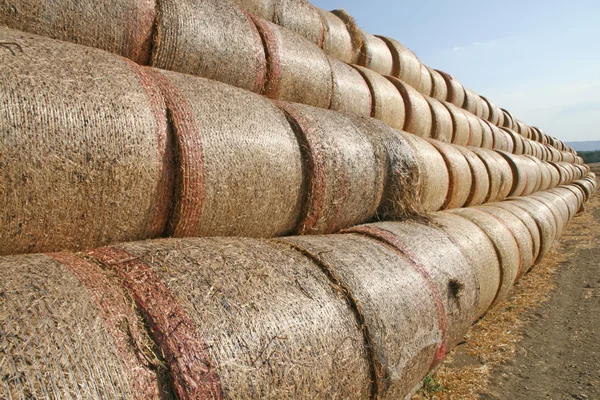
(538, 59)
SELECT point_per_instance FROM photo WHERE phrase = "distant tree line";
(590, 156)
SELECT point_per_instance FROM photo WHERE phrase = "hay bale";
(298, 70)
(121, 27)
(456, 91)
(302, 18)
(544, 220)
(557, 206)
(439, 90)
(587, 187)
(264, 9)
(82, 164)
(479, 249)
(213, 39)
(406, 65)
(505, 244)
(499, 172)
(225, 311)
(461, 131)
(485, 109)
(509, 121)
(500, 139)
(355, 33)
(542, 173)
(562, 172)
(69, 331)
(401, 196)
(338, 42)
(234, 148)
(461, 180)
(554, 175)
(475, 130)
(519, 173)
(516, 140)
(351, 93)
(375, 55)
(345, 169)
(400, 307)
(487, 138)
(426, 82)
(493, 116)
(573, 196)
(527, 148)
(471, 102)
(435, 178)
(520, 232)
(388, 105)
(480, 178)
(441, 121)
(417, 114)
(531, 224)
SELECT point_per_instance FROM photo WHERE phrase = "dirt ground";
(543, 342)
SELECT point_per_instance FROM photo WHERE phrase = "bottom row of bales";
(364, 313)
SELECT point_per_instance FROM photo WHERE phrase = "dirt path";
(544, 341)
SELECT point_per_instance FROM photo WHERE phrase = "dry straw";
(417, 117)
(345, 170)
(493, 116)
(475, 130)
(355, 33)
(83, 163)
(234, 149)
(471, 103)
(480, 186)
(439, 90)
(338, 42)
(351, 93)
(487, 138)
(298, 70)
(302, 18)
(214, 39)
(406, 66)
(68, 331)
(456, 91)
(375, 55)
(461, 179)
(441, 121)
(426, 82)
(264, 9)
(461, 132)
(122, 27)
(388, 105)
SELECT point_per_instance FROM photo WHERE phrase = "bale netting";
(213, 39)
(439, 90)
(505, 244)
(461, 131)
(69, 331)
(456, 91)
(122, 27)
(480, 186)
(479, 249)
(426, 83)
(244, 318)
(302, 18)
(345, 170)
(406, 65)
(440, 261)
(338, 42)
(264, 9)
(441, 121)
(388, 105)
(375, 54)
(401, 196)
(297, 69)
(459, 171)
(234, 148)
(400, 308)
(434, 175)
(417, 114)
(83, 165)
(351, 93)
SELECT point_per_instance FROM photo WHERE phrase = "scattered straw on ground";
(493, 339)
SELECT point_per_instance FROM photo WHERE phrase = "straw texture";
(439, 90)
(426, 83)
(456, 91)
(417, 114)
(544, 221)
(441, 121)
(337, 41)
(475, 130)
(264, 9)
(461, 131)
(406, 66)
(302, 18)
(351, 93)
(375, 54)
(461, 179)
(480, 186)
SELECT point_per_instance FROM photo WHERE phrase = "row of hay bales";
(365, 313)
(337, 34)
(98, 150)
(217, 40)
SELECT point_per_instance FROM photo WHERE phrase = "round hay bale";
(554, 175)
(519, 172)
(542, 174)
(529, 222)
(351, 93)
(82, 164)
(573, 197)
(338, 42)
(417, 114)
(562, 171)
(461, 131)
(302, 18)
(406, 65)
(213, 39)
(355, 33)
(499, 172)
(558, 207)
(375, 55)
(504, 242)
(520, 232)
(264, 9)
(426, 83)
(442, 263)
(501, 116)
(439, 90)
(400, 307)
(434, 175)
(475, 130)
(401, 195)
(441, 121)
(298, 70)
(587, 187)
(544, 220)
(479, 249)
(509, 121)
(487, 138)
(224, 311)
(470, 103)
(485, 109)
(480, 178)
(456, 91)
(234, 148)
(461, 180)
(346, 172)
(516, 140)
(527, 148)
(500, 138)
(536, 134)
(493, 116)
(68, 331)
(388, 105)
(120, 27)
